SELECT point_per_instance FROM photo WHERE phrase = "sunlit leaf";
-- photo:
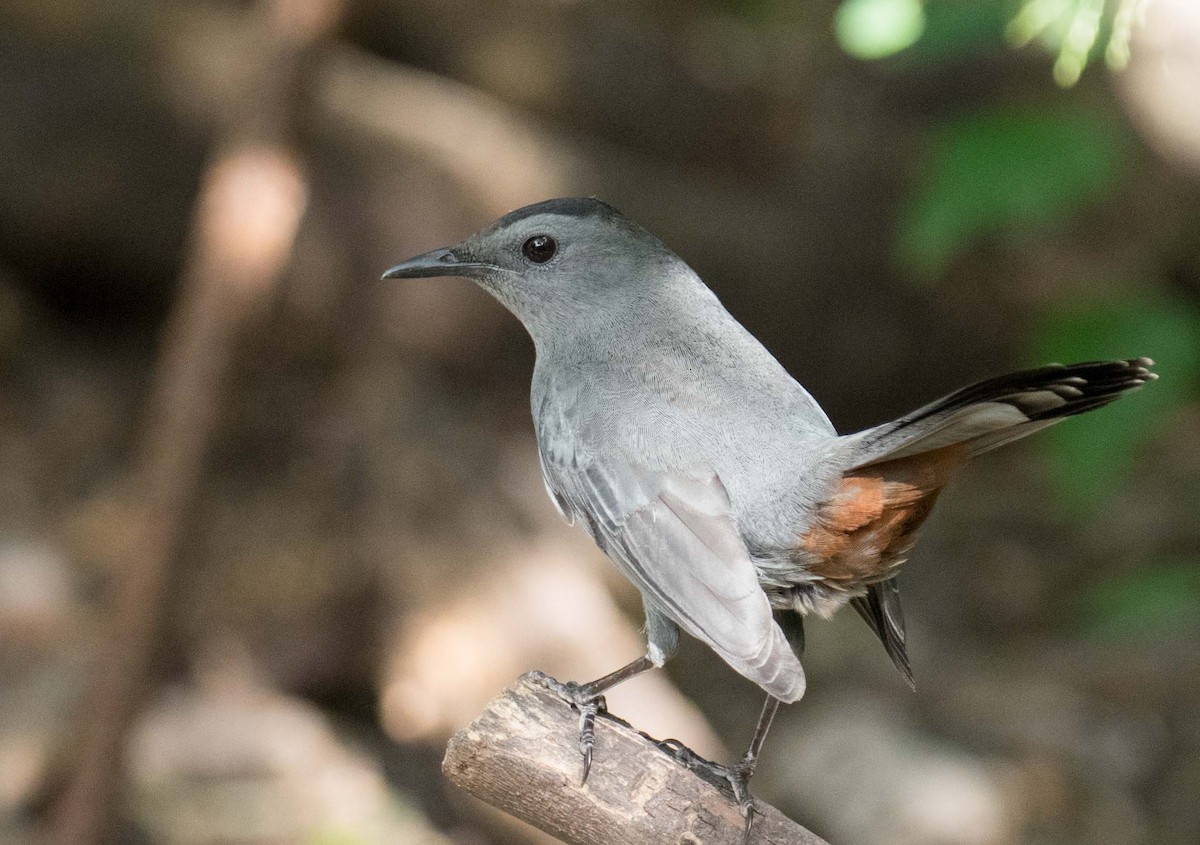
(1077, 30)
(1082, 35)
(1091, 454)
(1035, 18)
(1004, 172)
(873, 29)
(1129, 13)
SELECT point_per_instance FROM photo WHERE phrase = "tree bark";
(522, 755)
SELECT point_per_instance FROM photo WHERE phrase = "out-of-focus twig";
(245, 222)
(522, 755)
(487, 146)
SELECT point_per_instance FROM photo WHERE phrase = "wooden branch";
(522, 755)
(246, 219)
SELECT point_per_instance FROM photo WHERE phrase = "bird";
(710, 477)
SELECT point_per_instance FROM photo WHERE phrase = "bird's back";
(683, 385)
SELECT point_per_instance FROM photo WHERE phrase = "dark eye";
(540, 248)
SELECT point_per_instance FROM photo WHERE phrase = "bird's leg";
(662, 639)
(738, 775)
(741, 772)
(588, 699)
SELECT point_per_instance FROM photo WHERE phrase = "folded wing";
(674, 537)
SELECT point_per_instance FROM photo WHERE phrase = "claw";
(587, 737)
(676, 749)
(713, 772)
(589, 701)
(588, 711)
(737, 776)
(588, 708)
(738, 780)
(587, 765)
(740, 792)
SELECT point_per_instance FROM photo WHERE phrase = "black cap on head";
(564, 206)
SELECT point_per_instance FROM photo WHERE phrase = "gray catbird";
(712, 479)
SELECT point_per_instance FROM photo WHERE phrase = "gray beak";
(440, 262)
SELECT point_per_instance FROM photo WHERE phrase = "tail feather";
(999, 410)
(880, 609)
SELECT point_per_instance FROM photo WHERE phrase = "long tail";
(977, 418)
(999, 410)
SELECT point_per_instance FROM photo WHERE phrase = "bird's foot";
(739, 780)
(588, 704)
(736, 776)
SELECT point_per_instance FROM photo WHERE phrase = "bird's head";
(558, 264)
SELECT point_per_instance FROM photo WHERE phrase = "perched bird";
(710, 477)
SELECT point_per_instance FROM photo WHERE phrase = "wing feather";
(674, 535)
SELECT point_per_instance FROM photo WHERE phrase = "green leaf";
(1006, 172)
(1165, 596)
(1090, 455)
(873, 29)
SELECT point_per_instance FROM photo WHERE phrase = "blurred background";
(271, 530)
